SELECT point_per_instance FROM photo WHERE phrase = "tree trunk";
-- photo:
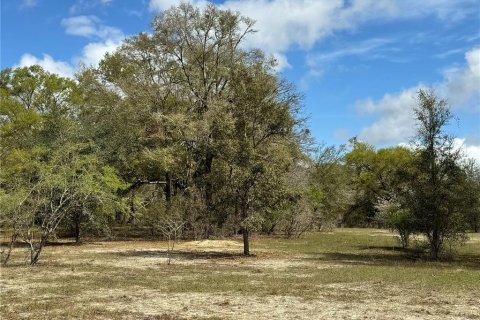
(246, 243)
(10, 247)
(208, 184)
(271, 229)
(168, 187)
(436, 245)
(35, 254)
(77, 230)
(168, 193)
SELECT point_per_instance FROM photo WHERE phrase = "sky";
(357, 63)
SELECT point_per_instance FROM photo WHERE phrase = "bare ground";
(48, 290)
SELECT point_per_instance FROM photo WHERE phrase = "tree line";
(184, 131)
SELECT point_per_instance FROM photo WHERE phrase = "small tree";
(13, 217)
(68, 181)
(170, 229)
(397, 218)
(435, 201)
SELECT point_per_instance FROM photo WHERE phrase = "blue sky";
(358, 63)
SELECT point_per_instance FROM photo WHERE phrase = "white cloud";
(91, 55)
(352, 49)
(109, 39)
(90, 26)
(280, 24)
(61, 68)
(161, 5)
(462, 83)
(304, 22)
(80, 26)
(319, 63)
(93, 52)
(448, 53)
(28, 4)
(86, 5)
(396, 123)
(469, 150)
(282, 61)
(283, 24)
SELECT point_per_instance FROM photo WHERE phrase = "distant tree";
(380, 180)
(470, 191)
(329, 192)
(435, 201)
(394, 215)
(377, 177)
(360, 161)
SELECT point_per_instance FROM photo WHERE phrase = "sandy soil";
(334, 301)
(388, 303)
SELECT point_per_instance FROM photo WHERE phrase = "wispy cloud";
(303, 23)
(28, 4)
(81, 6)
(160, 5)
(135, 13)
(448, 53)
(91, 27)
(371, 49)
(357, 49)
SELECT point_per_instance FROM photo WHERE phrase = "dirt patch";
(211, 279)
(212, 244)
(332, 304)
(474, 238)
(143, 254)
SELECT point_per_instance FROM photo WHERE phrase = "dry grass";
(346, 274)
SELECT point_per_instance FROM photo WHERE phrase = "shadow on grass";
(182, 255)
(22, 244)
(393, 256)
(409, 251)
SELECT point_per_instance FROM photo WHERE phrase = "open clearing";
(345, 274)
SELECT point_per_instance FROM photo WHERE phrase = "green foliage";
(435, 200)
(469, 190)
(187, 108)
(315, 196)
(377, 176)
(48, 171)
(399, 219)
(329, 193)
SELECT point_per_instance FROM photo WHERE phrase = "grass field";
(345, 274)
